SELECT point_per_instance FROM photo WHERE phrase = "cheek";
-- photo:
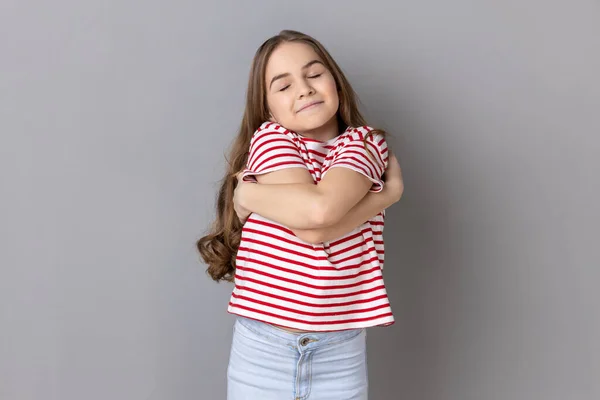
(278, 105)
(272, 103)
(330, 87)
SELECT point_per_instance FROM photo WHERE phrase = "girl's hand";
(394, 185)
(241, 212)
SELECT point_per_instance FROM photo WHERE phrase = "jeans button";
(304, 341)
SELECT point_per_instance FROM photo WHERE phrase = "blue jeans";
(268, 363)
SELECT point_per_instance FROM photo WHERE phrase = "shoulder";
(273, 129)
(269, 133)
(364, 133)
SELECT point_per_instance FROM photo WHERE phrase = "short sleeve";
(271, 151)
(367, 157)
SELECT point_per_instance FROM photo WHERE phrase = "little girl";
(299, 225)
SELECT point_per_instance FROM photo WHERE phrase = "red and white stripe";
(326, 287)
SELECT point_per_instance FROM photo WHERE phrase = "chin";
(312, 122)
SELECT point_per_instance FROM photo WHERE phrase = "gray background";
(114, 120)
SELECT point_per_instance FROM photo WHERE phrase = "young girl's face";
(301, 93)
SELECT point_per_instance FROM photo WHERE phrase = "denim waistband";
(282, 336)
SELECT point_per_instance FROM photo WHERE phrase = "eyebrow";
(288, 74)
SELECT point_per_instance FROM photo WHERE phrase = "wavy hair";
(219, 246)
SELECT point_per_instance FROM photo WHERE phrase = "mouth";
(309, 105)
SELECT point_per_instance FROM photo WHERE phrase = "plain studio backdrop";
(115, 117)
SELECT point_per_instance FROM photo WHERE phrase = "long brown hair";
(219, 247)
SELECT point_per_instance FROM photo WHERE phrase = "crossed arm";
(321, 212)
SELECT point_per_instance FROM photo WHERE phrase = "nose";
(305, 89)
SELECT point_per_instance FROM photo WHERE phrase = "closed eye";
(315, 76)
(284, 88)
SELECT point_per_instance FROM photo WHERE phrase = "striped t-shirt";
(281, 279)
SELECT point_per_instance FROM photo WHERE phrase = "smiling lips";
(314, 103)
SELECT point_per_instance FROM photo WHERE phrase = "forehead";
(289, 58)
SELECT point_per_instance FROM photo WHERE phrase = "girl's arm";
(306, 205)
(367, 208)
(371, 205)
(354, 169)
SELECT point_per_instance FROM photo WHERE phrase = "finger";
(393, 167)
(392, 161)
(393, 156)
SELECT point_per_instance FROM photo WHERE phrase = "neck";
(325, 132)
